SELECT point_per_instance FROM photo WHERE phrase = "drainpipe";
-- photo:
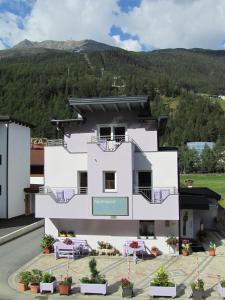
(7, 170)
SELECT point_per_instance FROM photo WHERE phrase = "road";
(14, 255)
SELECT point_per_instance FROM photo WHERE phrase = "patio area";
(183, 270)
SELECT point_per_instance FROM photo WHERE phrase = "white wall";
(163, 165)
(115, 232)
(61, 166)
(3, 168)
(18, 168)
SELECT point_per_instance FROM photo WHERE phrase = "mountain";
(36, 80)
(74, 46)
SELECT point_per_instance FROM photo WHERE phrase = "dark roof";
(105, 103)
(8, 119)
(194, 202)
(201, 191)
(33, 189)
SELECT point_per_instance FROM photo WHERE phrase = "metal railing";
(156, 195)
(57, 142)
(62, 194)
(110, 143)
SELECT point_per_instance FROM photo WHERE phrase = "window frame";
(112, 126)
(105, 190)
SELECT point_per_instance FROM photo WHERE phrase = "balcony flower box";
(221, 288)
(48, 287)
(93, 288)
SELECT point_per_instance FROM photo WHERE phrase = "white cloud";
(128, 44)
(2, 46)
(157, 23)
(177, 23)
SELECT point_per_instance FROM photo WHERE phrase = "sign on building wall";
(110, 206)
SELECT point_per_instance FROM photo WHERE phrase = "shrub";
(36, 276)
(47, 241)
(198, 284)
(66, 281)
(47, 278)
(126, 283)
(95, 277)
(25, 277)
(161, 278)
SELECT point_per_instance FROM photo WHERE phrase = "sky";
(136, 25)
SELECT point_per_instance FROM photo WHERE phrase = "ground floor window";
(147, 228)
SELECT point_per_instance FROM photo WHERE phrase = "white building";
(108, 179)
(14, 166)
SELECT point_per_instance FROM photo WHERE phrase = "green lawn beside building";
(214, 182)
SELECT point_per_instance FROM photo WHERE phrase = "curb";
(17, 233)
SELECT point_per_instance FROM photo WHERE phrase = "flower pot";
(185, 252)
(34, 288)
(163, 291)
(47, 250)
(198, 294)
(48, 287)
(221, 290)
(154, 253)
(64, 289)
(127, 292)
(22, 287)
(93, 288)
(212, 252)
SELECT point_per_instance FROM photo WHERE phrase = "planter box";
(106, 251)
(48, 287)
(221, 291)
(127, 292)
(93, 288)
(196, 294)
(163, 291)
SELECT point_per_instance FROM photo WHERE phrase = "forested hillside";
(35, 84)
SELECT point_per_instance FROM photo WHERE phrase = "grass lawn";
(214, 182)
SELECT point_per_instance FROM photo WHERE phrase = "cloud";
(153, 23)
(129, 44)
(177, 23)
(2, 46)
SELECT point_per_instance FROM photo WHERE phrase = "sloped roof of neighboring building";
(201, 191)
(8, 119)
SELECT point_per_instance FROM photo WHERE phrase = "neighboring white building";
(14, 166)
(108, 179)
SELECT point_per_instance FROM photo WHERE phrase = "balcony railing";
(57, 142)
(62, 194)
(110, 143)
(156, 195)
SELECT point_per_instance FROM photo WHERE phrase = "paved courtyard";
(183, 271)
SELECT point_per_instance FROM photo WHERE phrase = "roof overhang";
(194, 202)
(8, 119)
(109, 103)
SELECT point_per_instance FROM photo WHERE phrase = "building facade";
(108, 179)
(14, 166)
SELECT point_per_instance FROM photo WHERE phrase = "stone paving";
(183, 271)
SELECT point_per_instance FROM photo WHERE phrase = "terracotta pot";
(212, 252)
(22, 287)
(46, 250)
(64, 289)
(185, 253)
(154, 252)
(34, 288)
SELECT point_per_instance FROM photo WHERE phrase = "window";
(110, 181)
(82, 182)
(112, 132)
(147, 228)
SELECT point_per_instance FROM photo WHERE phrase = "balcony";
(110, 143)
(156, 195)
(62, 194)
(57, 142)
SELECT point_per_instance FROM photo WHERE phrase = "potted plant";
(36, 276)
(64, 286)
(212, 249)
(47, 243)
(222, 288)
(198, 289)
(172, 240)
(24, 280)
(48, 283)
(127, 288)
(161, 285)
(96, 283)
(62, 233)
(154, 251)
(186, 247)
